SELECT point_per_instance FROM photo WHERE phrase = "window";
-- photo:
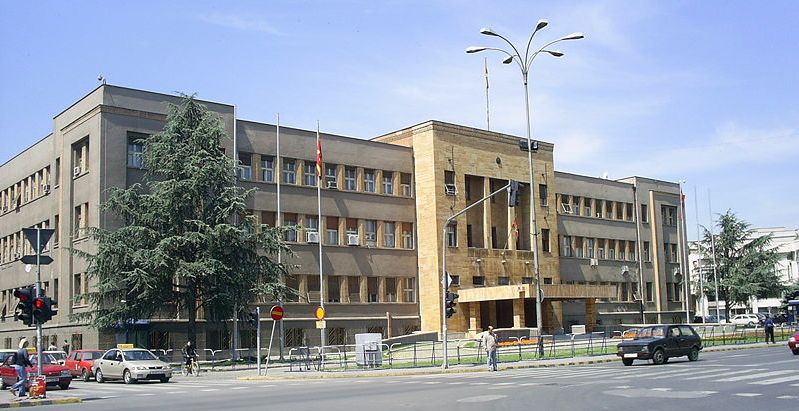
(543, 195)
(267, 169)
(391, 289)
(669, 215)
(388, 234)
(312, 223)
(289, 171)
(631, 253)
(78, 290)
(370, 230)
(587, 207)
(245, 166)
(622, 245)
(503, 280)
(566, 246)
(81, 215)
(57, 228)
(309, 174)
(677, 292)
(619, 211)
(333, 289)
(646, 251)
(350, 174)
(590, 248)
(410, 290)
(649, 291)
(547, 280)
(478, 280)
(666, 252)
(136, 150)
(80, 157)
(372, 289)
(290, 220)
(455, 279)
(331, 178)
(629, 208)
(407, 236)
(369, 181)
(644, 215)
(388, 182)
(609, 209)
(452, 235)
(674, 253)
(405, 184)
(576, 205)
(598, 205)
(623, 291)
(332, 230)
(669, 292)
(545, 240)
(77, 341)
(57, 174)
(527, 280)
(578, 247)
(611, 249)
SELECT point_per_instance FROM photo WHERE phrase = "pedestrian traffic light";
(24, 309)
(514, 197)
(253, 318)
(42, 309)
(449, 307)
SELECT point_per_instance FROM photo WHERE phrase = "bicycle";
(192, 368)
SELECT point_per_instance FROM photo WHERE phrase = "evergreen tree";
(745, 263)
(184, 240)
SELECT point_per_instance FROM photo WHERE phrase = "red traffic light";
(38, 303)
(22, 294)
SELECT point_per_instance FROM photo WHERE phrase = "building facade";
(384, 202)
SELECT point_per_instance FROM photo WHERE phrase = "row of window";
(353, 289)
(25, 190)
(597, 208)
(75, 342)
(628, 292)
(305, 228)
(9, 302)
(482, 281)
(452, 237)
(15, 245)
(600, 248)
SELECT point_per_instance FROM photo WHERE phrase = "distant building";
(384, 202)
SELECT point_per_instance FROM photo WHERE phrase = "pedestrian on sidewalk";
(20, 363)
(490, 346)
(768, 325)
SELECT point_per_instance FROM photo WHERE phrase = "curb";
(36, 403)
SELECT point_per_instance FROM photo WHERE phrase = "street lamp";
(524, 64)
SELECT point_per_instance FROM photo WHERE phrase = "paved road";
(753, 379)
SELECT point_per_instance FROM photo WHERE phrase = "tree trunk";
(191, 306)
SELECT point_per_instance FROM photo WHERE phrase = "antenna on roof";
(101, 79)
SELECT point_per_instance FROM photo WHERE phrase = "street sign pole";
(277, 315)
(258, 338)
(38, 294)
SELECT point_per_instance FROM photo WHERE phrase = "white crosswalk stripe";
(776, 380)
(751, 376)
(688, 372)
(723, 374)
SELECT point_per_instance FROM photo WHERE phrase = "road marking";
(478, 383)
(622, 387)
(690, 372)
(176, 392)
(147, 394)
(748, 394)
(432, 382)
(239, 388)
(529, 384)
(751, 376)
(660, 389)
(456, 383)
(776, 380)
(504, 383)
(787, 397)
(724, 374)
(210, 390)
(482, 398)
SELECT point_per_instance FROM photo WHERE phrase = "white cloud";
(241, 22)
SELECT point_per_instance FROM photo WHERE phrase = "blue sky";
(704, 92)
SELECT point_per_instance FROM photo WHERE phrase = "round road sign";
(320, 313)
(277, 313)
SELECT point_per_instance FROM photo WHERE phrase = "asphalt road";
(753, 379)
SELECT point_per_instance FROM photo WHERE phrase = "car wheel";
(64, 386)
(658, 357)
(693, 355)
(164, 379)
(795, 352)
(128, 378)
(750, 324)
(627, 361)
(84, 375)
(98, 375)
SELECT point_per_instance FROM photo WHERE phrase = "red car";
(56, 374)
(792, 343)
(79, 363)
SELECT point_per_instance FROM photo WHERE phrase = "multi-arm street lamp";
(524, 64)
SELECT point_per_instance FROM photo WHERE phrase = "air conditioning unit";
(594, 262)
(450, 189)
(76, 171)
(332, 185)
(46, 188)
(312, 237)
(353, 239)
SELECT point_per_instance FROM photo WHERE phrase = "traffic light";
(450, 304)
(253, 318)
(514, 196)
(43, 309)
(24, 309)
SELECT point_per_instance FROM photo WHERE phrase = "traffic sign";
(38, 237)
(31, 259)
(321, 324)
(277, 313)
(320, 313)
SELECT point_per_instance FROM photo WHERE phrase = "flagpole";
(278, 221)
(702, 306)
(319, 225)
(488, 115)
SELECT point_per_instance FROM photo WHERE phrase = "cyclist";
(189, 354)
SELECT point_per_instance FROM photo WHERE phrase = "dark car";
(661, 342)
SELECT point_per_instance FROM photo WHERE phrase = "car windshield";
(92, 355)
(139, 356)
(46, 359)
(650, 332)
(58, 355)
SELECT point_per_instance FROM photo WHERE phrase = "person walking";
(768, 325)
(490, 346)
(20, 363)
(65, 347)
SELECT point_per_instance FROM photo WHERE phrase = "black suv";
(661, 342)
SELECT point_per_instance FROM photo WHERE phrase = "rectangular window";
(543, 195)
(666, 252)
(456, 279)
(369, 181)
(622, 245)
(290, 220)
(354, 289)
(309, 174)
(649, 291)
(391, 289)
(527, 280)
(78, 291)
(624, 296)
(566, 246)
(245, 166)
(619, 211)
(136, 150)
(405, 184)
(372, 289)
(410, 290)
(677, 292)
(452, 235)
(646, 251)
(57, 174)
(370, 231)
(331, 178)
(333, 289)
(478, 280)
(332, 230)
(407, 236)
(599, 204)
(547, 280)
(590, 248)
(631, 253)
(80, 157)
(388, 182)
(350, 178)
(503, 280)
(81, 220)
(576, 205)
(587, 207)
(311, 223)
(545, 240)
(669, 292)
(609, 209)
(674, 253)
(267, 169)
(611, 249)
(669, 215)
(629, 208)
(578, 247)
(388, 234)
(289, 171)
(57, 228)
(644, 215)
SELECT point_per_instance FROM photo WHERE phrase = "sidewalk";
(35, 403)
(283, 373)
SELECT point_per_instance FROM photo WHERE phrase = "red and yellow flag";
(319, 159)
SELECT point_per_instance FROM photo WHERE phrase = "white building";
(784, 240)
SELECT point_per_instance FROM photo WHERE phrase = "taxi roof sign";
(125, 346)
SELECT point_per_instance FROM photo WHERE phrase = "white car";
(745, 319)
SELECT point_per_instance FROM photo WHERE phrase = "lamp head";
(573, 36)
(471, 50)
(508, 60)
(554, 53)
(487, 31)
(541, 24)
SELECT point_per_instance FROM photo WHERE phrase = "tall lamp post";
(524, 64)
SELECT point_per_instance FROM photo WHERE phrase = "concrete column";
(518, 313)
(256, 167)
(344, 289)
(400, 283)
(84, 152)
(381, 289)
(303, 287)
(359, 179)
(378, 181)
(379, 233)
(342, 231)
(364, 292)
(512, 235)
(590, 314)
(486, 213)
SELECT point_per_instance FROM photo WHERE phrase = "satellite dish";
(28, 268)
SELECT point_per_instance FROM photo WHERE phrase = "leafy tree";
(745, 263)
(184, 241)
